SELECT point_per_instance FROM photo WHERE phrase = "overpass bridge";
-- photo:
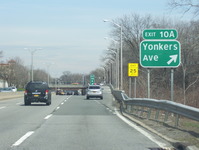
(71, 87)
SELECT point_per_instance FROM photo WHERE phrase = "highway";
(71, 123)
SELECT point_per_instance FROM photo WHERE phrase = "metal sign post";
(148, 84)
(132, 72)
(172, 91)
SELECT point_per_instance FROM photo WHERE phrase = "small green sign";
(160, 54)
(161, 34)
(92, 79)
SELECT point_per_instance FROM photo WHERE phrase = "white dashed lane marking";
(23, 138)
(47, 117)
(3, 107)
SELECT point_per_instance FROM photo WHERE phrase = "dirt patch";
(187, 132)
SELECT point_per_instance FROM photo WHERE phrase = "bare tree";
(20, 73)
(185, 5)
(68, 77)
(188, 36)
(40, 75)
(4, 71)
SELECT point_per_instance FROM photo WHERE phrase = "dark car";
(37, 91)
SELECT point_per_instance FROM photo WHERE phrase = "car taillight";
(25, 92)
(46, 92)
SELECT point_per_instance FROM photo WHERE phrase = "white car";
(94, 91)
(14, 89)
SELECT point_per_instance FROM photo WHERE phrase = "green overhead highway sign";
(92, 79)
(160, 34)
(160, 54)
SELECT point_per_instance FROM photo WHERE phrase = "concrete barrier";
(10, 95)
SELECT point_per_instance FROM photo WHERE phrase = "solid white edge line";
(162, 145)
(23, 138)
(47, 117)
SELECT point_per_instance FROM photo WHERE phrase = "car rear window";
(36, 86)
(94, 87)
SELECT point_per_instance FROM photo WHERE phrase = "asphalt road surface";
(71, 123)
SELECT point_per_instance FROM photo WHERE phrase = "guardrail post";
(149, 113)
(177, 120)
(131, 108)
(157, 114)
(142, 111)
(166, 116)
(136, 110)
(128, 108)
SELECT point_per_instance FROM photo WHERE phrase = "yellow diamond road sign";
(133, 69)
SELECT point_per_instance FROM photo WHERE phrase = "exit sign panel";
(160, 54)
(161, 34)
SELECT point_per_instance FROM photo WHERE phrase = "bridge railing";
(139, 106)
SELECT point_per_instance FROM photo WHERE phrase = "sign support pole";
(148, 77)
(130, 87)
(135, 87)
(172, 80)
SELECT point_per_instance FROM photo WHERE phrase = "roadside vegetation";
(186, 76)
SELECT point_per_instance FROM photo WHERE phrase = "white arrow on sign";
(173, 58)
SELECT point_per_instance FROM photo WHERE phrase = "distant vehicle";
(57, 91)
(14, 89)
(37, 91)
(94, 91)
(101, 84)
(75, 83)
(8, 89)
(60, 92)
(76, 92)
(69, 92)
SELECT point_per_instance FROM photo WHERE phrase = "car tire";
(101, 97)
(26, 102)
(87, 97)
(48, 103)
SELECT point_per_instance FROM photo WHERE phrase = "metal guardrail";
(165, 105)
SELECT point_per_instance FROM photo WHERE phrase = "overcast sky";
(70, 32)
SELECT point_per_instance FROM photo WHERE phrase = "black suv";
(37, 91)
